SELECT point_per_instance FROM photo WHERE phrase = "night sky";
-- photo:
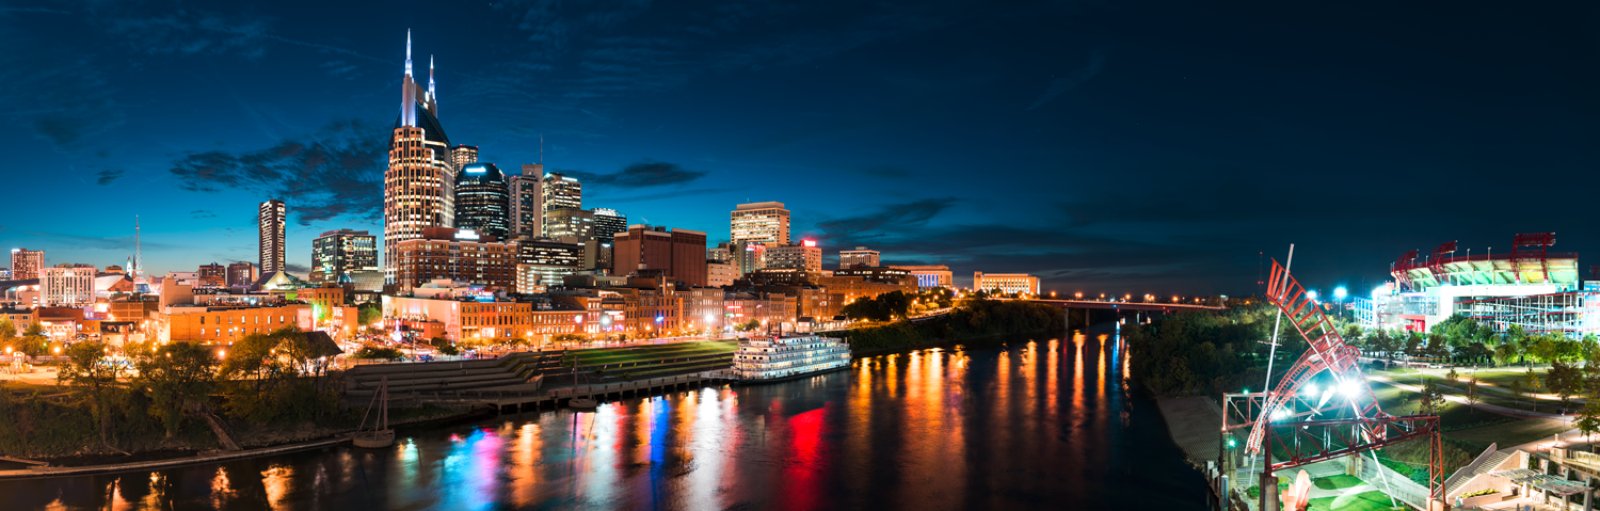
(1105, 146)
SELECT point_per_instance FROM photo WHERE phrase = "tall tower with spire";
(419, 183)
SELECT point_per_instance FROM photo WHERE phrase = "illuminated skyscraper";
(482, 201)
(607, 223)
(527, 202)
(760, 222)
(419, 184)
(269, 221)
(562, 192)
(341, 253)
(463, 155)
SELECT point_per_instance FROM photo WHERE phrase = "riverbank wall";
(1193, 423)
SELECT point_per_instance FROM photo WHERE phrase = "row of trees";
(32, 342)
(1204, 353)
(1464, 340)
(263, 379)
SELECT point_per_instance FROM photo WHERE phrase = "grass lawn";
(1372, 500)
(1507, 434)
(653, 353)
(1337, 482)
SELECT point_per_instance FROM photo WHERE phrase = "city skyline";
(1017, 165)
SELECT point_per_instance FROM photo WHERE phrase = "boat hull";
(791, 377)
(373, 439)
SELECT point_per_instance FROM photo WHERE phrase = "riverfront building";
(1008, 283)
(226, 324)
(930, 276)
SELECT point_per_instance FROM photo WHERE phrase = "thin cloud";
(108, 176)
(644, 174)
(332, 173)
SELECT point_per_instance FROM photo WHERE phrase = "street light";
(1339, 293)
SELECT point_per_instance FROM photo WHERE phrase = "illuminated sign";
(810, 243)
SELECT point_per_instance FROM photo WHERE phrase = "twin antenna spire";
(408, 90)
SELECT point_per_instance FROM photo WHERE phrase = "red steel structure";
(1275, 417)
(1328, 353)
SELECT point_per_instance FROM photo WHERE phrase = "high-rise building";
(343, 253)
(212, 276)
(679, 254)
(483, 203)
(860, 257)
(806, 256)
(26, 264)
(67, 286)
(561, 192)
(527, 202)
(568, 224)
(607, 223)
(419, 183)
(542, 262)
(242, 274)
(760, 222)
(596, 255)
(1008, 283)
(269, 221)
(463, 155)
(455, 254)
(748, 256)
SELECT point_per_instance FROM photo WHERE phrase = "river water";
(1045, 424)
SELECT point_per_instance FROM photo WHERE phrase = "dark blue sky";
(1117, 146)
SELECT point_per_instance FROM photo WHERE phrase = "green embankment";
(975, 322)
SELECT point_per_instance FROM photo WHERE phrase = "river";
(1040, 425)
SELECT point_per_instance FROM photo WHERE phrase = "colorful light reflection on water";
(1047, 424)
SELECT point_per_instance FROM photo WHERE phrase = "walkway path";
(1456, 398)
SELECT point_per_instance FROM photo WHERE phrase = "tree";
(1505, 353)
(1472, 391)
(1565, 381)
(88, 368)
(369, 313)
(1430, 400)
(1589, 419)
(179, 377)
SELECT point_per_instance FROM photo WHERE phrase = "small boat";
(585, 404)
(774, 358)
(381, 435)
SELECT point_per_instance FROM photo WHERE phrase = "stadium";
(1530, 286)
